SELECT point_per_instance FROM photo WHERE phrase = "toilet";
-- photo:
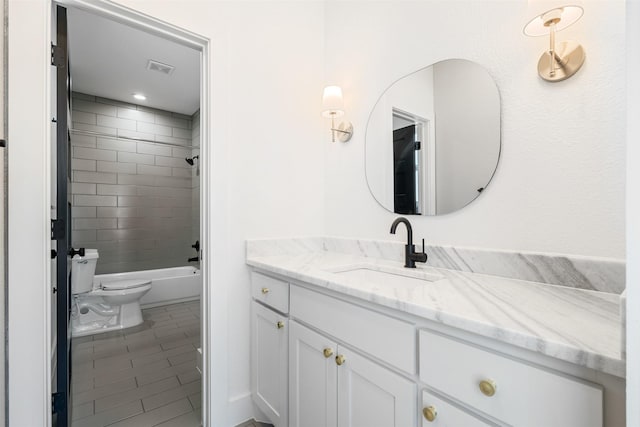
(102, 306)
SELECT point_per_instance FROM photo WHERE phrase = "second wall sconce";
(332, 107)
(562, 62)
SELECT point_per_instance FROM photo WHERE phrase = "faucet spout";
(407, 224)
(410, 254)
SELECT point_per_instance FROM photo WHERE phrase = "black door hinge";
(3, 143)
(57, 56)
(58, 229)
(58, 402)
(417, 145)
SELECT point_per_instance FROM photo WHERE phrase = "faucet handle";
(423, 246)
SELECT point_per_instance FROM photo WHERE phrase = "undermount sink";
(386, 276)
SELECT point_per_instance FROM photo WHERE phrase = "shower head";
(190, 160)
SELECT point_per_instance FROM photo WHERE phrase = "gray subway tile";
(94, 177)
(83, 140)
(135, 134)
(94, 223)
(83, 117)
(117, 144)
(155, 129)
(181, 152)
(182, 133)
(110, 212)
(154, 170)
(180, 172)
(94, 107)
(116, 167)
(94, 154)
(157, 149)
(84, 211)
(83, 165)
(173, 121)
(135, 394)
(83, 188)
(117, 123)
(173, 140)
(84, 236)
(116, 103)
(176, 162)
(146, 159)
(117, 190)
(82, 200)
(92, 128)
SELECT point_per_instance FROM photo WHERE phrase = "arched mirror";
(433, 139)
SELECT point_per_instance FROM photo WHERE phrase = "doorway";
(134, 168)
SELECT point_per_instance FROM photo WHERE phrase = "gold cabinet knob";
(265, 290)
(280, 324)
(430, 413)
(328, 352)
(488, 387)
(340, 359)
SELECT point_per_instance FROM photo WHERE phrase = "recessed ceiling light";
(139, 96)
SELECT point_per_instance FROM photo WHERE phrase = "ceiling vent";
(160, 67)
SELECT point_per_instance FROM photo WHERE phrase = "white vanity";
(338, 341)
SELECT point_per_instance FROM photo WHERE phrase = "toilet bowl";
(102, 307)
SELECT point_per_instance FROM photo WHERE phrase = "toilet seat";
(119, 285)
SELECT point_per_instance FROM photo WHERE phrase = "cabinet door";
(269, 363)
(312, 378)
(373, 396)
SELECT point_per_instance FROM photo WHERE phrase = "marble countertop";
(575, 325)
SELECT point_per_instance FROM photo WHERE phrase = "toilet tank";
(83, 268)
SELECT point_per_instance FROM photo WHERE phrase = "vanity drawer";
(524, 395)
(445, 414)
(270, 291)
(381, 336)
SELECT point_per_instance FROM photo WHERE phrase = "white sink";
(386, 276)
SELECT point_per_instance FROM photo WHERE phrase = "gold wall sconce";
(333, 106)
(561, 62)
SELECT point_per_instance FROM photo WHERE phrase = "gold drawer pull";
(265, 290)
(280, 324)
(488, 387)
(430, 413)
(340, 359)
(328, 352)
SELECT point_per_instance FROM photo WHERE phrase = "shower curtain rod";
(128, 138)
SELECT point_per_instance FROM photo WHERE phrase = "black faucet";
(410, 255)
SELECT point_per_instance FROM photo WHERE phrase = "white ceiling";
(109, 59)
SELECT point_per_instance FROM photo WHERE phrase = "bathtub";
(168, 285)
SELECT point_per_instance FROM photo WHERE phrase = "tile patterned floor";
(142, 376)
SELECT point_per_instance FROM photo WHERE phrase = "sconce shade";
(562, 17)
(332, 103)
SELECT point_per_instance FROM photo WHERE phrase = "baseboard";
(241, 409)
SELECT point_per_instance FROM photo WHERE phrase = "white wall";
(633, 212)
(266, 85)
(559, 186)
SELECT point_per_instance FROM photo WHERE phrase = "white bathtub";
(168, 285)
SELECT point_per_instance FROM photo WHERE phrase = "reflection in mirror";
(433, 139)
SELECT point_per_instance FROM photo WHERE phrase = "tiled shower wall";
(133, 201)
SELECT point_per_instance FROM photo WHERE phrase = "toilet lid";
(124, 284)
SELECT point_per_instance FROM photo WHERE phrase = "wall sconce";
(333, 106)
(563, 62)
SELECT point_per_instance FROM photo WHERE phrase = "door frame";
(30, 135)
